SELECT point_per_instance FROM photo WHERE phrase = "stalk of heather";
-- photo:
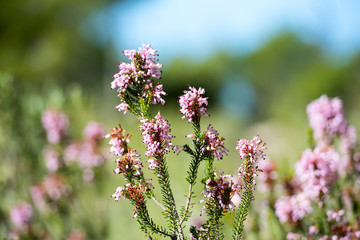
(139, 88)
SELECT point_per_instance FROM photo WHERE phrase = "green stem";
(243, 210)
(168, 198)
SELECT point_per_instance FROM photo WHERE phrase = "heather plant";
(47, 168)
(321, 200)
(138, 87)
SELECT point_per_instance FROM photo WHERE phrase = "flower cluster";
(56, 125)
(268, 176)
(211, 144)
(50, 191)
(252, 149)
(129, 163)
(21, 215)
(119, 140)
(293, 208)
(316, 171)
(135, 78)
(193, 105)
(326, 117)
(156, 136)
(222, 191)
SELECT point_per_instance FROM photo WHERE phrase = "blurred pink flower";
(21, 215)
(292, 208)
(94, 131)
(56, 125)
(52, 159)
(326, 118)
(316, 171)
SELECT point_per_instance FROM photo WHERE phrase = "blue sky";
(198, 28)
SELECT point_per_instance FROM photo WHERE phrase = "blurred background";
(260, 63)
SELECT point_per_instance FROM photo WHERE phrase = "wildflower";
(215, 145)
(268, 176)
(52, 159)
(222, 191)
(129, 164)
(21, 214)
(333, 215)
(119, 141)
(253, 149)
(135, 78)
(250, 150)
(94, 131)
(326, 118)
(193, 105)
(156, 136)
(56, 125)
(211, 143)
(316, 171)
(293, 208)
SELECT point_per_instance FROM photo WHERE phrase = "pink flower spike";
(56, 125)
(156, 136)
(193, 105)
(253, 149)
(326, 118)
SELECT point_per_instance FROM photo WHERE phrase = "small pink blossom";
(129, 164)
(253, 149)
(94, 131)
(52, 159)
(313, 230)
(268, 175)
(326, 118)
(293, 236)
(215, 144)
(333, 215)
(316, 171)
(156, 136)
(222, 191)
(122, 107)
(293, 208)
(193, 105)
(56, 125)
(138, 74)
(119, 140)
(21, 215)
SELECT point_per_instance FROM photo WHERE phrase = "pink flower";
(250, 151)
(94, 131)
(316, 171)
(137, 76)
(253, 149)
(326, 118)
(215, 145)
(222, 191)
(122, 107)
(268, 175)
(193, 105)
(335, 215)
(292, 208)
(21, 214)
(56, 125)
(52, 159)
(156, 136)
(129, 164)
(293, 236)
(119, 141)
